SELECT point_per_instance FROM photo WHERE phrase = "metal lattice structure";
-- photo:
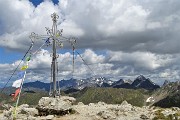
(54, 37)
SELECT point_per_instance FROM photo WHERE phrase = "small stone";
(21, 116)
(175, 109)
(30, 111)
(80, 103)
(133, 109)
(144, 117)
(125, 103)
(101, 103)
(106, 115)
(24, 106)
(91, 104)
(7, 113)
(6, 106)
(66, 98)
(49, 117)
(31, 118)
(3, 118)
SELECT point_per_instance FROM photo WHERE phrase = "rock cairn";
(55, 106)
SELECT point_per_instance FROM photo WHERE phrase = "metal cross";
(56, 37)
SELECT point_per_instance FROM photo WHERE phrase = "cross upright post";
(54, 57)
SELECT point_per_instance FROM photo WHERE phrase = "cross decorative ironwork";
(54, 36)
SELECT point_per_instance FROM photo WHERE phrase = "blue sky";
(118, 39)
(37, 2)
(9, 56)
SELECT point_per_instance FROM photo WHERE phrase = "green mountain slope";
(168, 95)
(111, 96)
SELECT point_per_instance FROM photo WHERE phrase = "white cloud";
(92, 58)
(113, 65)
(71, 29)
(12, 13)
(20, 18)
(153, 25)
(143, 60)
(139, 36)
(41, 60)
(133, 18)
(115, 25)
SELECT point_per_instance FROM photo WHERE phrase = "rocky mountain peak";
(146, 83)
(119, 82)
(166, 82)
(128, 81)
(141, 78)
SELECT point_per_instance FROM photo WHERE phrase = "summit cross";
(56, 37)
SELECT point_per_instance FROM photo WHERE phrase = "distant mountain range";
(102, 89)
(139, 82)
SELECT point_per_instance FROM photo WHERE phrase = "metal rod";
(54, 58)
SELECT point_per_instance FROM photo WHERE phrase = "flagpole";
(19, 94)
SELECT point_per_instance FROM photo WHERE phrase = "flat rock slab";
(55, 106)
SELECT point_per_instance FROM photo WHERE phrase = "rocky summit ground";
(124, 111)
(64, 109)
